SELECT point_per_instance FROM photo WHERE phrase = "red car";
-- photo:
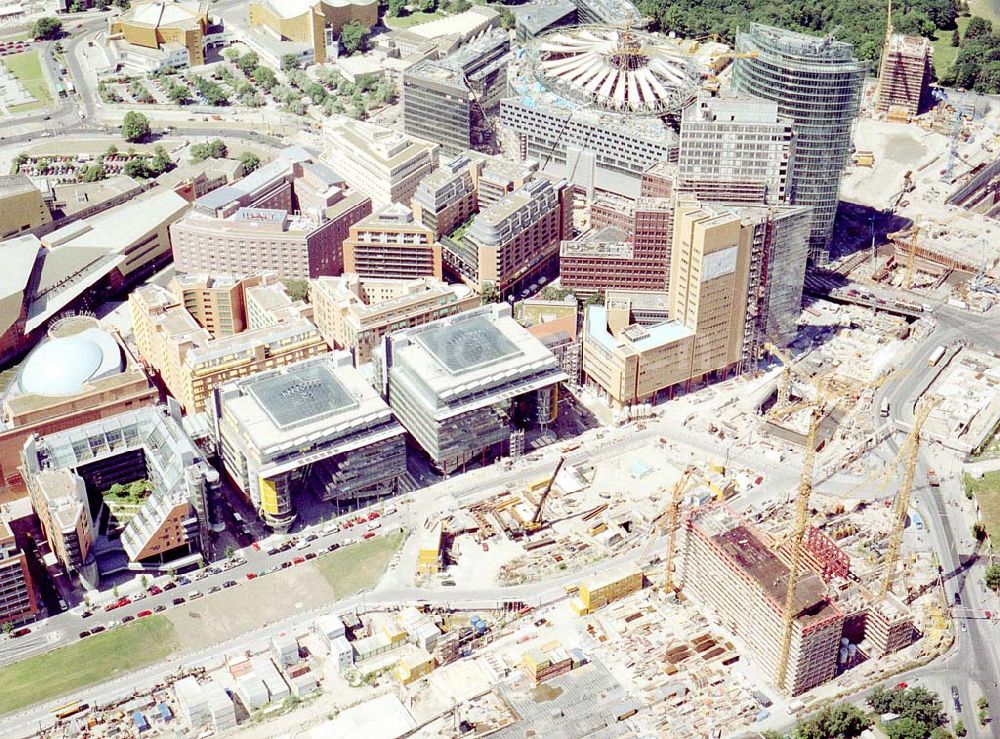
(373, 515)
(20, 632)
(902, 686)
(360, 519)
(368, 535)
(251, 576)
(143, 614)
(348, 524)
(298, 560)
(256, 546)
(155, 590)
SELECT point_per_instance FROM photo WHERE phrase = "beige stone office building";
(354, 313)
(384, 164)
(192, 361)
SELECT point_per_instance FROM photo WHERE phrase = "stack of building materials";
(222, 712)
(413, 664)
(264, 668)
(600, 590)
(250, 689)
(546, 662)
(419, 628)
(204, 706)
(302, 680)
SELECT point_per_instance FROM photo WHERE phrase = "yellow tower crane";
(908, 453)
(674, 511)
(798, 534)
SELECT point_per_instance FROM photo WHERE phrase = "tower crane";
(909, 457)
(785, 383)
(798, 534)
(911, 250)
(673, 511)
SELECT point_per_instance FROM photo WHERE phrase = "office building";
(315, 427)
(446, 198)
(590, 102)
(22, 206)
(390, 244)
(156, 34)
(613, 12)
(554, 323)
(735, 149)
(289, 217)
(495, 177)
(308, 29)
(461, 384)
(384, 164)
(19, 601)
(904, 76)
(535, 18)
(729, 569)
(71, 472)
(354, 312)
(448, 101)
(516, 239)
(191, 362)
(627, 248)
(78, 374)
(816, 83)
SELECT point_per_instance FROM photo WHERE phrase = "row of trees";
(977, 66)
(920, 716)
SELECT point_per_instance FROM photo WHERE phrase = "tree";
(265, 77)
(297, 289)
(214, 149)
(595, 299)
(978, 27)
(230, 552)
(905, 728)
(144, 582)
(396, 8)
(956, 38)
(161, 161)
(845, 721)
(7, 627)
(231, 55)
(460, 6)
(289, 61)
(94, 173)
(427, 6)
(960, 728)
(248, 62)
(135, 126)
(993, 577)
(941, 733)
(114, 591)
(979, 531)
(917, 703)
(47, 27)
(137, 168)
(250, 161)
(111, 151)
(354, 37)
(507, 20)
(489, 293)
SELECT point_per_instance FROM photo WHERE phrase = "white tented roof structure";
(616, 69)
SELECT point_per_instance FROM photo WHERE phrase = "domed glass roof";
(63, 365)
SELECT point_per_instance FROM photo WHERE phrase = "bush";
(250, 161)
(214, 149)
(47, 27)
(353, 37)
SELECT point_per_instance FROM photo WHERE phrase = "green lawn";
(92, 660)
(411, 20)
(358, 566)
(27, 67)
(944, 52)
(987, 493)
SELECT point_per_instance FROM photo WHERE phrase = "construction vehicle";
(908, 453)
(536, 522)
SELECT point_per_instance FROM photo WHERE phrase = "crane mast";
(798, 533)
(909, 456)
(674, 514)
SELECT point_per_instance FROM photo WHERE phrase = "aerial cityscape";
(540, 369)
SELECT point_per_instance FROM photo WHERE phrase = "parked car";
(155, 590)
(86, 614)
(369, 535)
(97, 629)
(143, 614)
(194, 594)
(160, 608)
(126, 619)
(229, 584)
(183, 581)
(169, 586)
(84, 634)
(312, 537)
(215, 589)
(271, 552)
(298, 560)
(333, 547)
(178, 601)
(311, 555)
(18, 633)
(251, 576)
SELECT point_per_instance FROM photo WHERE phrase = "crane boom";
(798, 533)
(909, 456)
(536, 520)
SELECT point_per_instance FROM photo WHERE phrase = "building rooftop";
(743, 550)
(13, 184)
(609, 242)
(635, 337)
(384, 145)
(800, 47)
(467, 345)
(298, 397)
(164, 13)
(537, 16)
(64, 365)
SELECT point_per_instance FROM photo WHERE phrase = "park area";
(987, 492)
(92, 660)
(26, 69)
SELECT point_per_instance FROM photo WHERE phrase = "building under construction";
(727, 566)
(903, 76)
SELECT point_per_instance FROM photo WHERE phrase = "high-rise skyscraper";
(817, 83)
(735, 149)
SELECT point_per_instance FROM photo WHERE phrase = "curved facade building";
(817, 83)
(165, 27)
(316, 23)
